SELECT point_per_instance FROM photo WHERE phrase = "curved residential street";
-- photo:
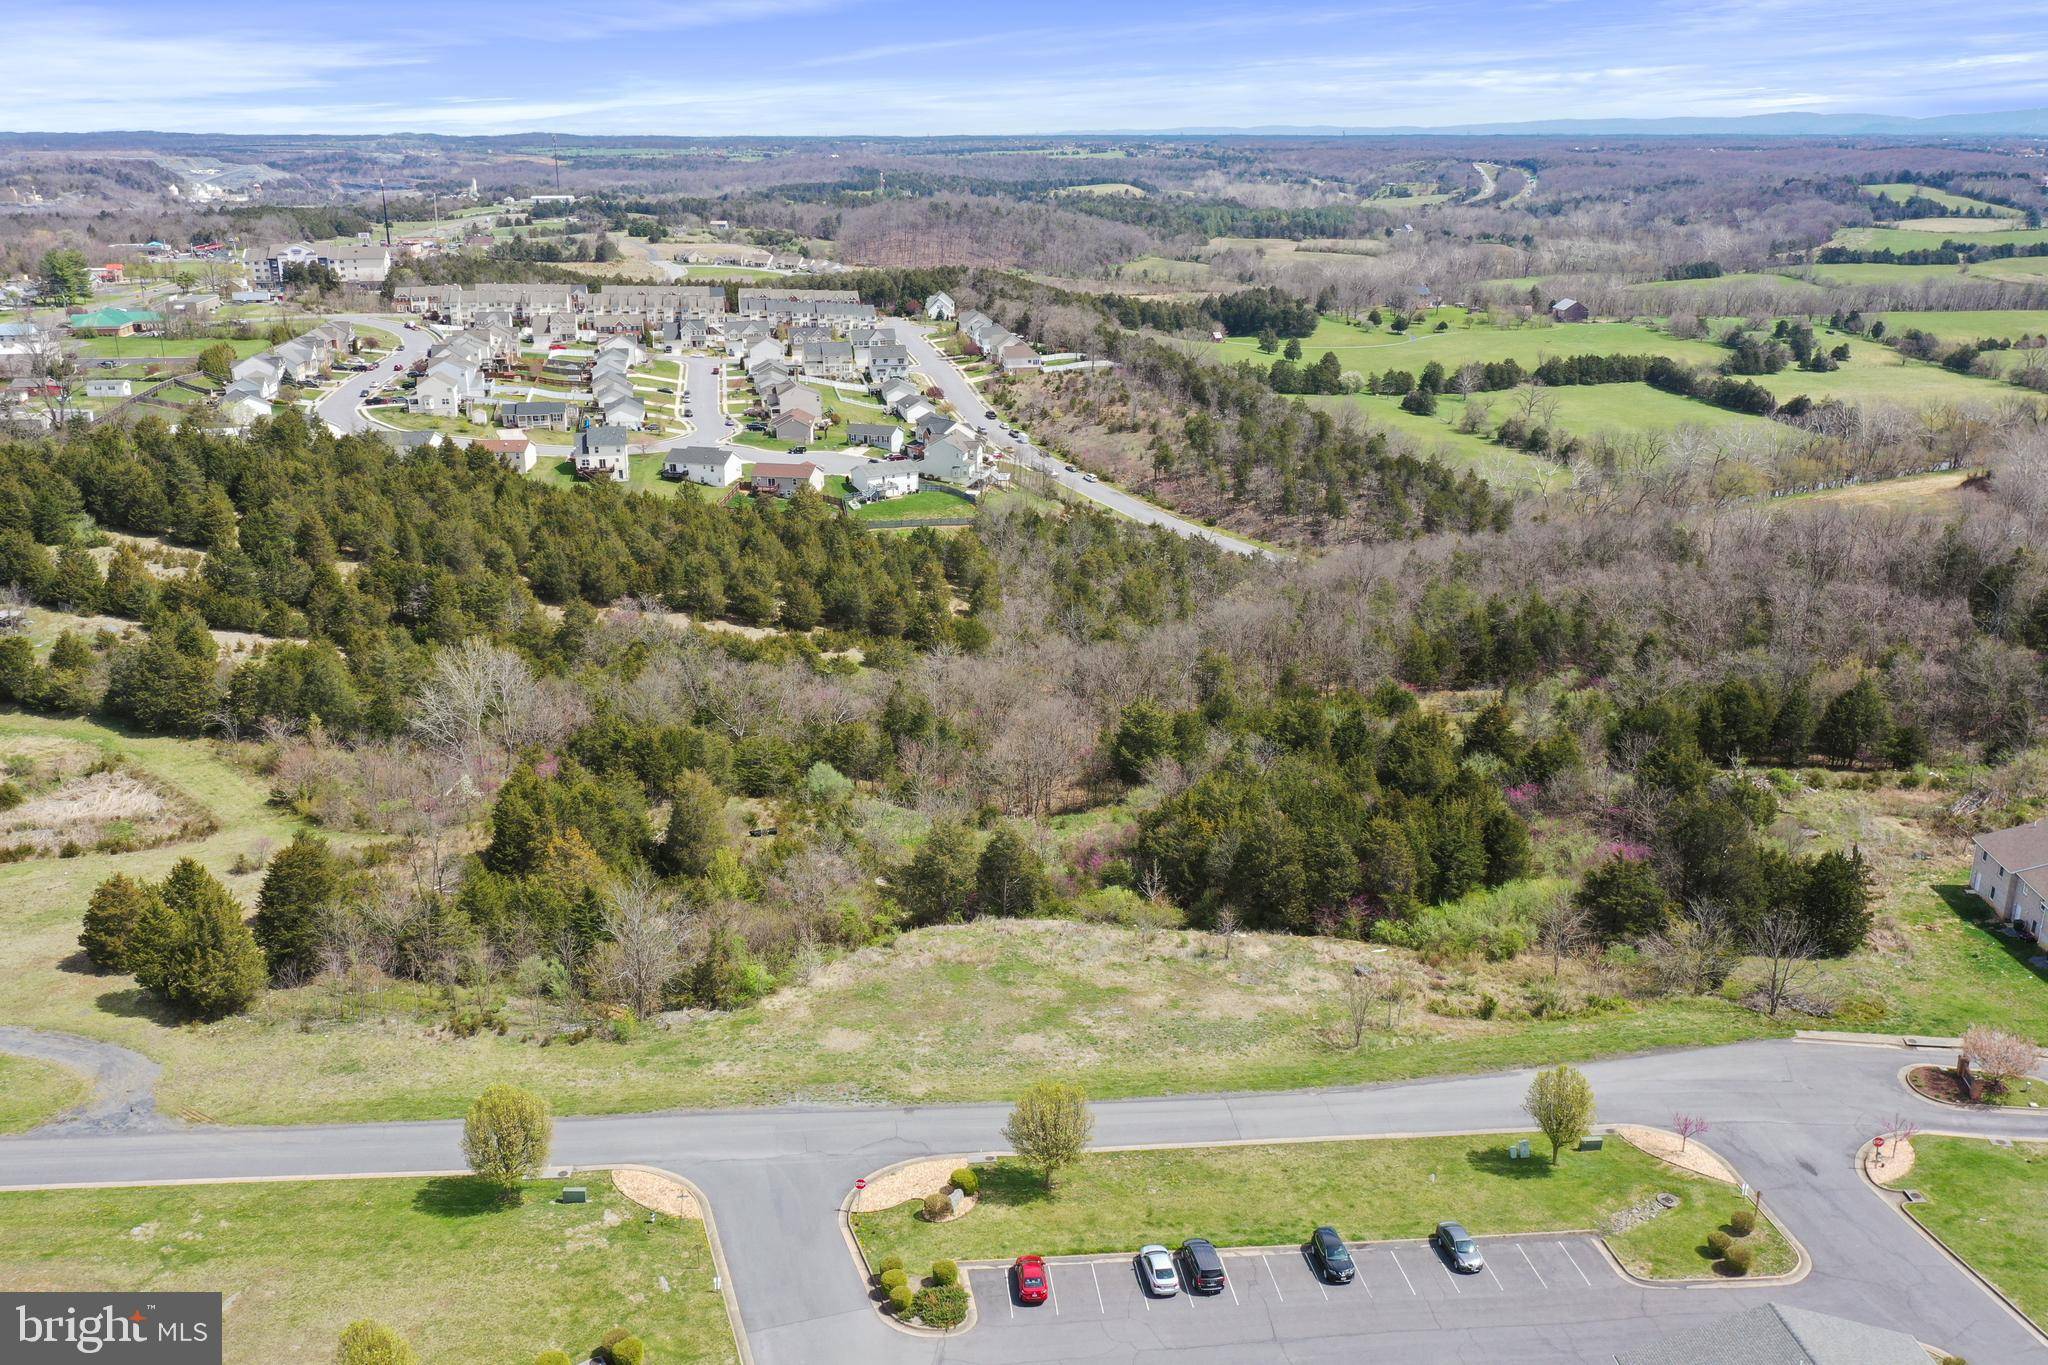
(342, 409)
(1789, 1115)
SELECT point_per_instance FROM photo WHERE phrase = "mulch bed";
(1943, 1086)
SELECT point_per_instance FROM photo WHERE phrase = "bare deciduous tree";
(1785, 946)
(1563, 928)
(644, 950)
(474, 688)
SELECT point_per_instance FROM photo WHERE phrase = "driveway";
(340, 409)
(928, 360)
(1790, 1116)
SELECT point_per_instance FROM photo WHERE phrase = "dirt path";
(123, 1098)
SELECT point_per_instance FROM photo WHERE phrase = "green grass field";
(1928, 233)
(1468, 339)
(1900, 191)
(34, 1092)
(1376, 1190)
(159, 348)
(1875, 373)
(925, 502)
(460, 1276)
(1969, 326)
(1990, 1205)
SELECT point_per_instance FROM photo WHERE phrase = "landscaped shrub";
(942, 1306)
(611, 1339)
(936, 1206)
(553, 1358)
(1718, 1241)
(629, 1351)
(892, 1278)
(1738, 1258)
(887, 1264)
(966, 1181)
(945, 1272)
(1742, 1222)
(900, 1299)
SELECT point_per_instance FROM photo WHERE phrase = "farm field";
(1875, 373)
(438, 1260)
(1467, 340)
(1436, 436)
(1669, 287)
(1990, 1205)
(1372, 1190)
(1900, 191)
(1927, 233)
(1969, 326)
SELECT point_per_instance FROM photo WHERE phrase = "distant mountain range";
(2004, 123)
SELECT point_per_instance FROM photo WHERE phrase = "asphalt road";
(339, 409)
(1789, 1115)
(928, 360)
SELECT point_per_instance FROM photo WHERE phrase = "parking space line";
(1532, 1265)
(1052, 1291)
(1273, 1279)
(1495, 1278)
(1403, 1269)
(1099, 1303)
(1575, 1263)
(1231, 1285)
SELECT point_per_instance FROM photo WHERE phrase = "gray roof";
(1774, 1334)
(714, 456)
(2021, 846)
(535, 409)
(870, 431)
(604, 440)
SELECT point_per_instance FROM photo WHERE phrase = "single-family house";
(934, 425)
(915, 409)
(407, 442)
(783, 480)
(1569, 310)
(939, 307)
(877, 481)
(623, 410)
(827, 359)
(514, 449)
(793, 425)
(239, 407)
(713, 466)
(109, 388)
(895, 391)
(763, 352)
(803, 334)
(447, 387)
(543, 415)
(2009, 871)
(955, 462)
(887, 361)
(601, 453)
(878, 435)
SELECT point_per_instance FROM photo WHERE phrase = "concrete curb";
(1905, 1040)
(1897, 1199)
(725, 1289)
(867, 1269)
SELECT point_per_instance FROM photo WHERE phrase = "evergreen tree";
(1624, 898)
(1009, 877)
(112, 918)
(937, 885)
(208, 965)
(1834, 902)
(1856, 723)
(301, 891)
(696, 826)
(1143, 734)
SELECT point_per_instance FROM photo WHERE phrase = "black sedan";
(1331, 1257)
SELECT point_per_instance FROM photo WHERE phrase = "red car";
(1032, 1284)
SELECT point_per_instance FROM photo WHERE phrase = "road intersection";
(1789, 1115)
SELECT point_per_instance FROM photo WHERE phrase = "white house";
(601, 453)
(939, 307)
(886, 362)
(877, 481)
(2010, 873)
(109, 388)
(880, 435)
(713, 466)
(240, 409)
(958, 463)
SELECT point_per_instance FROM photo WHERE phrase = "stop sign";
(861, 1183)
(1878, 1141)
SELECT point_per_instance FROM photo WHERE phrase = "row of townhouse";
(840, 306)
(254, 381)
(462, 304)
(454, 380)
(952, 451)
(997, 343)
(611, 383)
(352, 262)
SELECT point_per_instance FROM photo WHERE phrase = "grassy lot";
(1969, 326)
(158, 348)
(460, 1276)
(1875, 373)
(644, 476)
(925, 502)
(1370, 1191)
(1469, 338)
(1900, 191)
(34, 1092)
(1990, 1204)
(1663, 289)
(1439, 436)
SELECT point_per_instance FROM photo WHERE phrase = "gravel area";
(1667, 1147)
(657, 1192)
(914, 1181)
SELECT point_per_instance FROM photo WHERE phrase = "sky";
(906, 67)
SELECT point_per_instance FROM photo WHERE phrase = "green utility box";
(575, 1194)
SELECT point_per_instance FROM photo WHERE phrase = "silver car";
(1155, 1265)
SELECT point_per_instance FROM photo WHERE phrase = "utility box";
(576, 1194)
(1591, 1144)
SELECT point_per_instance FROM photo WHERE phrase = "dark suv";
(1201, 1267)
(1332, 1258)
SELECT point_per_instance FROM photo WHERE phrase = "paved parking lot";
(1539, 1298)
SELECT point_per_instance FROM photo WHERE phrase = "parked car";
(1072, 470)
(757, 426)
(1090, 478)
(990, 414)
(799, 450)
(1032, 1283)
(1331, 1257)
(1459, 1248)
(686, 412)
(1201, 1267)
(398, 368)
(1155, 1267)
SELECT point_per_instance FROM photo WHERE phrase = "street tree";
(1050, 1126)
(1560, 1101)
(506, 1136)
